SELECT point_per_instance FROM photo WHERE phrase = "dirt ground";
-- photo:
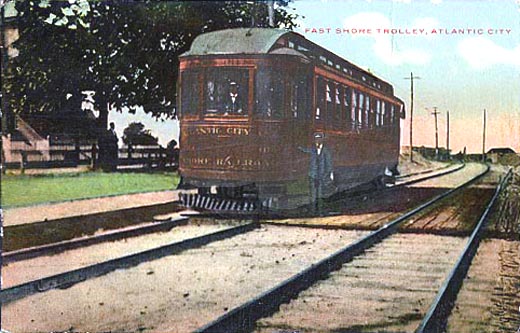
(182, 292)
(388, 289)
(375, 211)
(27, 270)
(489, 300)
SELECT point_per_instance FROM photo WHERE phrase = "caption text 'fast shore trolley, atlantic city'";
(250, 98)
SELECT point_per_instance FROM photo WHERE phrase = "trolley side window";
(299, 97)
(383, 113)
(226, 91)
(367, 112)
(269, 93)
(347, 95)
(329, 88)
(388, 117)
(320, 97)
(338, 94)
(354, 109)
(190, 92)
(360, 107)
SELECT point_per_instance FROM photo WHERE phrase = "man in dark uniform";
(233, 103)
(321, 171)
(112, 148)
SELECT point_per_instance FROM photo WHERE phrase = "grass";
(25, 190)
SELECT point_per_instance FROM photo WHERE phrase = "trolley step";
(213, 203)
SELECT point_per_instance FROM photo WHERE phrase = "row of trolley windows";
(374, 83)
(225, 91)
(339, 104)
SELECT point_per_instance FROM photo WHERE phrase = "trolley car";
(249, 98)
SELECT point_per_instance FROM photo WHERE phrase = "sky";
(465, 53)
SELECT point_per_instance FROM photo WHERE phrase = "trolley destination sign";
(218, 131)
(227, 162)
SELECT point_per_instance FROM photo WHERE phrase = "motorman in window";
(233, 104)
(321, 171)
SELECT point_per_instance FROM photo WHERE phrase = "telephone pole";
(435, 113)
(484, 138)
(411, 78)
(448, 133)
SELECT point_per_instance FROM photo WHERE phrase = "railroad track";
(244, 318)
(69, 278)
(53, 248)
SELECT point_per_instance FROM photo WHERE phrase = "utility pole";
(448, 133)
(484, 138)
(411, 78)
(435, 113)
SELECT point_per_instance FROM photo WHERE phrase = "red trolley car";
(250, 97)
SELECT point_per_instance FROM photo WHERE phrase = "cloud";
(384, 47)
(481, 53)
(427, 23)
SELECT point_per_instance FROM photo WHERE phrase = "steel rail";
(434, 175)
(53, 248)
(437, 315)
(67, 279)
(243, 318)
(423, 172)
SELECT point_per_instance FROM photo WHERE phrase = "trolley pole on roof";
(411, 78)
(270, 11)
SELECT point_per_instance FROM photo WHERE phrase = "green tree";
(136, 134)
(126, 52)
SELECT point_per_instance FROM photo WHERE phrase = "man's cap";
(232, 83)
(319, 135)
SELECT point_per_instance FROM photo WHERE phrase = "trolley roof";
(236, 41)
(278, 41)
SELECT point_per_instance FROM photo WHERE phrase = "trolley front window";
(269, 93)
(190, 92)
(226, 91)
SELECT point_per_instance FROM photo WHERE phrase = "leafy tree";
(135, 134)
(127, 53)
